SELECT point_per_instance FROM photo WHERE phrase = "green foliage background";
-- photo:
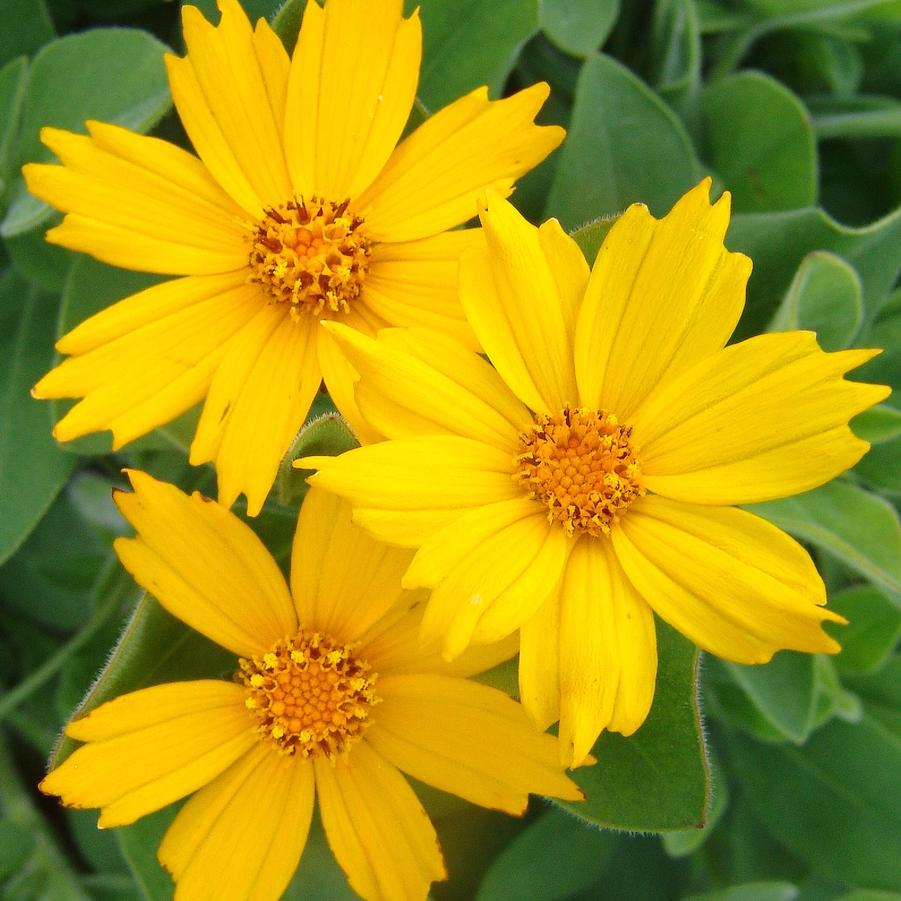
(792, 106)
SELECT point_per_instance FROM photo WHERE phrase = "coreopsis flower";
(333, 696)
(588, 478)
(299, 209)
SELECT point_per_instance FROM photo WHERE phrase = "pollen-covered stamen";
(310, 695)
(311, 253)
(581, 465)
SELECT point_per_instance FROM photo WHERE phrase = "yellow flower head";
(333, 696)
(587, 478)
(301, 207)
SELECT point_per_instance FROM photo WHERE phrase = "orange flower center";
(581, 465)
(312, 254)
(310, 695)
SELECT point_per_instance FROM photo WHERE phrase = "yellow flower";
(334, 695)
(299, 209)
(587, 478)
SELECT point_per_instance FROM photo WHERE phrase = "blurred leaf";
(676, 44)
(44, 265)
(578, 27)
(878, 424)
(111, 74)
(778, 242)
(555, 857)
(860, 117)
(856, 526)
(881, 467)
(16, 844)
(154, 647)
(751, 891)
(318, 875)
(469, 44)
(873, 630)
(759, 140)
(683, 842)
(32, 468)
(833, 699)
(624, 145)
(783, 690)
(12, 93)
(657, 779)
(836, 801)
(825, 296)
(138, 844)
(24, 26)
(865, 894)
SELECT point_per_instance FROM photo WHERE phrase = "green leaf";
(783, 690)
(556, 857)
(873, 630)
(861, 123)
(154, 647)
(624, 145)
(16, 844)
(325, 433)
(318, 875)
(578, 27)
(878, 424)
(683, 842)
(111, 74)
(657, 779)
(751, 891)
(832, 802)
(469, 44)
(858, 527)
(12, 93)
(676, 42)
(24, 26)
(759, 140)
(32, 468)
(825, 296)
(138, 844)
(286, 22)
(778, 242)
(591, 236)
(881, 467)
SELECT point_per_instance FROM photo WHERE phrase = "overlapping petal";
(758, 420)
(440, 750)
(728, 580)
(152, 747)
(138, 202)
(351, 87)
(243, 834)
(221, 92)
(376, 826)
(433, 177)
(147, 359)
(521, 318)
(332, 596)
(257, 402)
(663, 295)
(205, 566)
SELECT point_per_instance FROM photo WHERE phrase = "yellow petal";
(205, 566)
(539, 663)
(138, 202)
(415, 283)
(257, 402)
(419, 382)
(376, 827)
(761, 419)
(490, 570)
(393, 646)
(608, 651)
(340, 379)
(342, 579)
(274, 66)
(431, 479)
(663, 294)
(242, 836)
(427, 726)
(352, 83)
(151, 747)
(170, 340)
(221, 93)
(511, 298)
(728, 580)
(432, 181)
